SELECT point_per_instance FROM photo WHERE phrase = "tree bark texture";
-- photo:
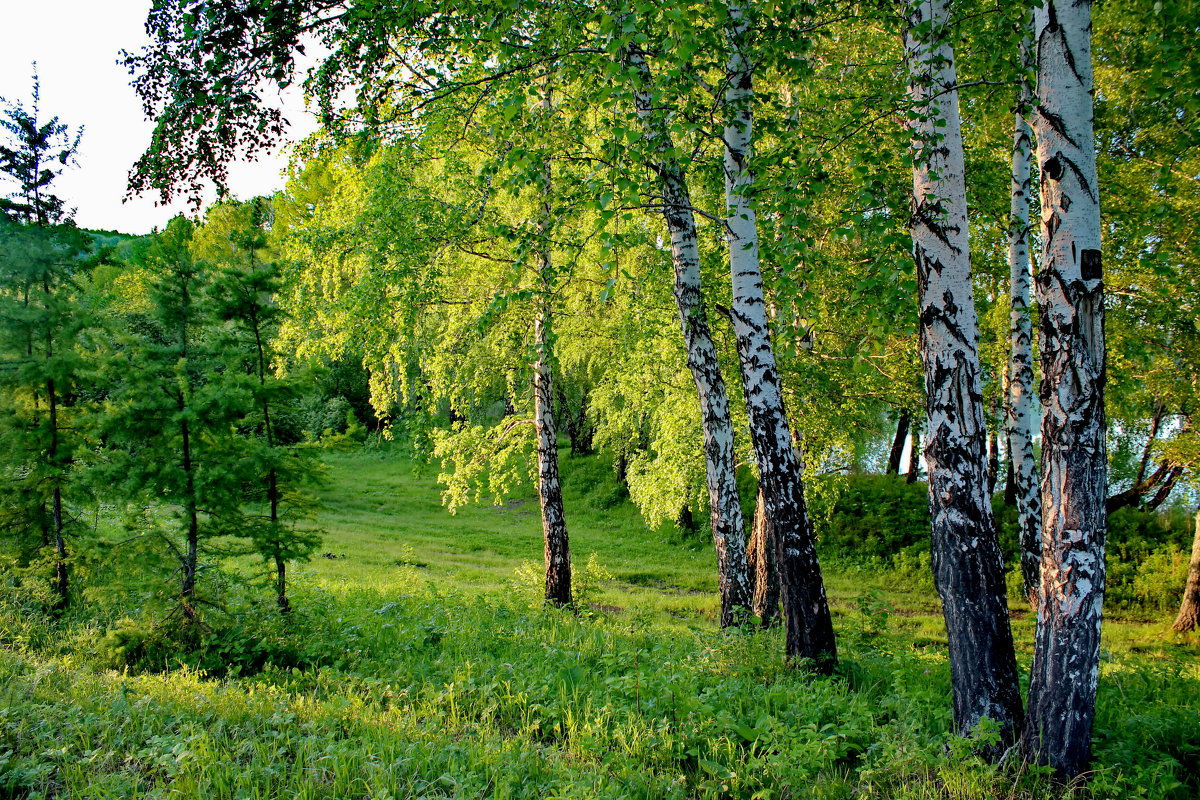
(897, 452)
(967, 562)
(1066, 661)
(765, 572)
(993, 451)
(1019, 395)
(1189, 610)
(805, 606)
(728, 524)
(554, 521)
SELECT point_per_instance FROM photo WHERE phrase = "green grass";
(419, 663)
(380, 513)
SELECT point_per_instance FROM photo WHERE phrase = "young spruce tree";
(244, 284)
(170, 416)
(40, 256)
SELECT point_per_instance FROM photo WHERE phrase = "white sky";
(76, 44)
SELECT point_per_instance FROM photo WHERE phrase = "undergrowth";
(391, 680)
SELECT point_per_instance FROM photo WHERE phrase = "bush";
(881, 520)
(876, 517)
(1146, 564)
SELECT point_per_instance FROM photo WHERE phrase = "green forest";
(753, 399)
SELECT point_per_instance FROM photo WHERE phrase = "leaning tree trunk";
(897, 451)
(1066, 658)
(1019, 405)
(765, 573)
(967, 564)
(805, 607)
(728, 524)
(1189, 609)
(554, 521)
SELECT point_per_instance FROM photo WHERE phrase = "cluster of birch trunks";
(1062, 516)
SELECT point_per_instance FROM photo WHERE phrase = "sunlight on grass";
(420, 662)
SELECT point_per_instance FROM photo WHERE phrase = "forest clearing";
(420, 662)
(608, 398)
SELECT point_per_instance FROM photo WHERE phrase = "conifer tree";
(168, 422)
(243, 290)
(40, 254)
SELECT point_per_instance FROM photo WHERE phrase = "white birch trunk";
(806, 609)
(1066, 661)
(967, 563)
(554, 522)
(728, 524)
(1019, 407)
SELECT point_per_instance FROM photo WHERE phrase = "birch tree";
(728, 524)
(967, 563)
(554, 522)
(1019, 401)
(1066, 661)
(806, 609)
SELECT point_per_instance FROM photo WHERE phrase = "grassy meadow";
(419, 664)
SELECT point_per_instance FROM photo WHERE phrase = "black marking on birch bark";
(1089, 265)
(1051, 225)
(1084, 183)
(1055, 122)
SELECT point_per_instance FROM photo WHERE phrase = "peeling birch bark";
(967, 562)
(1066, 660)
(1019, 395)
(805, 606)
(554, 520)
(728, 523)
